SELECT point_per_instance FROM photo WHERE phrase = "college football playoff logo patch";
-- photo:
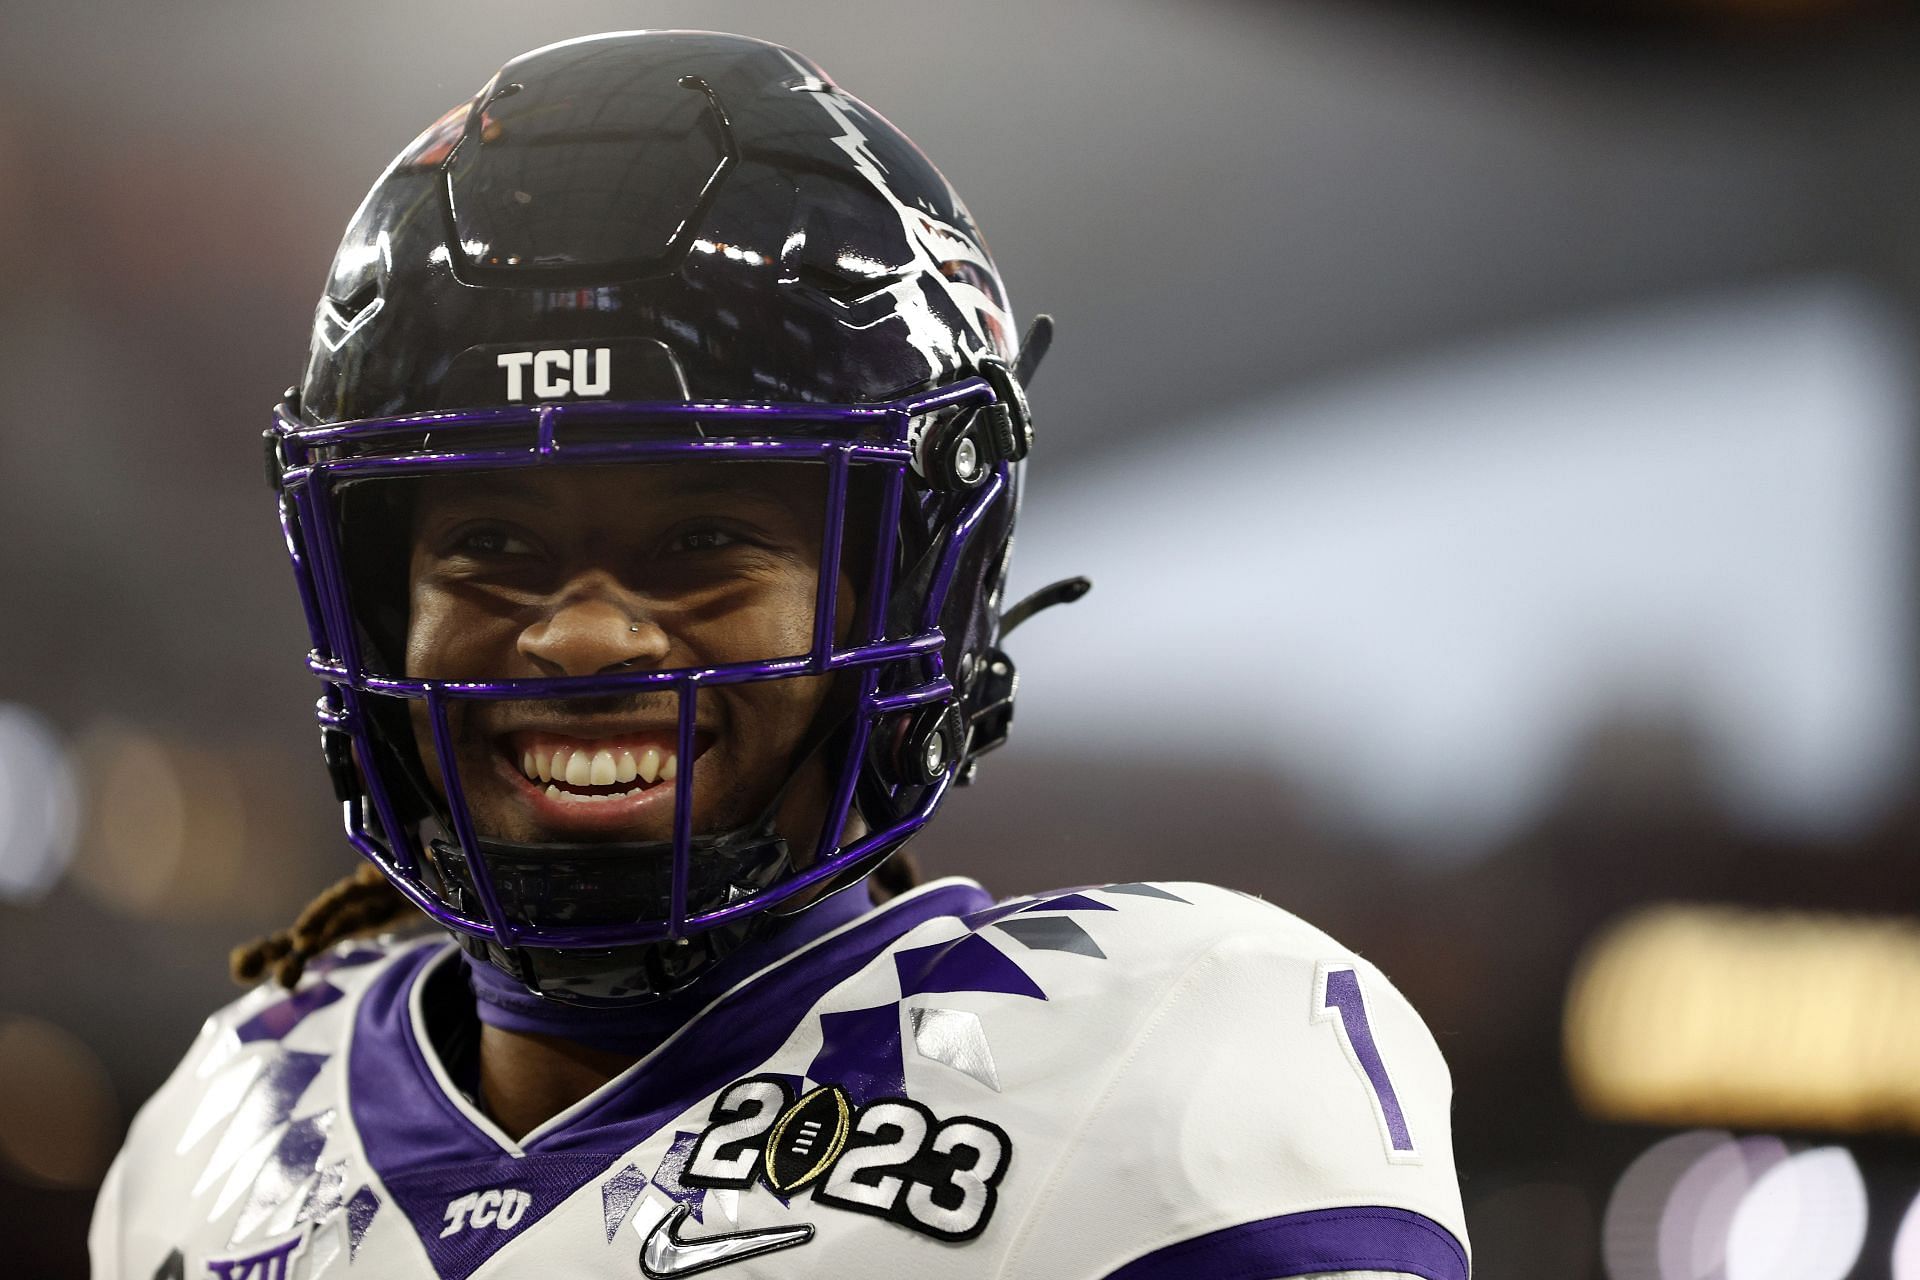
(892, 1158)
(807, 1138)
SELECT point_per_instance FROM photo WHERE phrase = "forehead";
(632, 486)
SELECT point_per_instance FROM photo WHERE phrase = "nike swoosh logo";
(666, 1255)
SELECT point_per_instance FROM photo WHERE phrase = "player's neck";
(527, 1079)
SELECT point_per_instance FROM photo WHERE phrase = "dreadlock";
(355, 904)
(366, 900)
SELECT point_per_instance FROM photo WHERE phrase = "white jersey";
(1133, 1081)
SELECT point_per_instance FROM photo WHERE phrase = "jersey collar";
(409, 1113)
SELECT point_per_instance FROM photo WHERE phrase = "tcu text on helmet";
(558, 372)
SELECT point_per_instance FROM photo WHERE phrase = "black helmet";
(652, 247)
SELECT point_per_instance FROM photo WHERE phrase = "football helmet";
(661, 248)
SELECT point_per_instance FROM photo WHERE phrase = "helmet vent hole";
(357, 301)
(840, 286)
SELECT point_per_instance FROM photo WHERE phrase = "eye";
(701, 538)
(488, 542)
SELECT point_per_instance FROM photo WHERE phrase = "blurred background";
(1490, 427)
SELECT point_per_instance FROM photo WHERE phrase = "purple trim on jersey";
(428, 1151)
(860, 1052)
(966, 963)
(274, 1021)
(1300, 1244)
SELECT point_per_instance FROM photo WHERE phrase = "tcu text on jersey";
(496, 1208)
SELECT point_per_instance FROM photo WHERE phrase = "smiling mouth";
(589, 771)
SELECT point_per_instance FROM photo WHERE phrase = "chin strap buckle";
(989, 708)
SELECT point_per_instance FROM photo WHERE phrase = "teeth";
(605, 767)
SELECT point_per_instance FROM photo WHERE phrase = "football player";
(650, 490)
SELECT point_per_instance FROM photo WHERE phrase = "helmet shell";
(734, 224)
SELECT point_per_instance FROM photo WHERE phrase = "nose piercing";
(633, 627)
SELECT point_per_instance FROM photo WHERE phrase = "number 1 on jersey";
(1337, 998)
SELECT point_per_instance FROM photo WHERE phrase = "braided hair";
(362, 902)
(366, 901)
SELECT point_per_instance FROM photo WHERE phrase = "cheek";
(778, 713)
(444, 639)
(769, 620)
(425, 629)
(846, 608)
(775, 621)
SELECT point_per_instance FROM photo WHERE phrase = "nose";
(592, 633)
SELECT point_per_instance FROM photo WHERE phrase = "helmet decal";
(939, 249)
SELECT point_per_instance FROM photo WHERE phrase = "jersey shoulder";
(243, 1142)
(1215, 1064)
(1147, 940)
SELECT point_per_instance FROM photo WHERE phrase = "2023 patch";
(891, 1158)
